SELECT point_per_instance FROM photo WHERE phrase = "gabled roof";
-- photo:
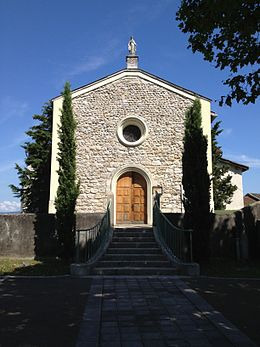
(139, 73)
(233, 163)
(255, 196)
(213, 115)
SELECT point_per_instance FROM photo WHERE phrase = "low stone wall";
(87, 220)
(27, 235)
(232, 235)
(237, 234)
(34, 235)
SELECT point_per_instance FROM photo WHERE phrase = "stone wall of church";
(100, 154)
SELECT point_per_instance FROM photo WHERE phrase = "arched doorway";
(131, 198)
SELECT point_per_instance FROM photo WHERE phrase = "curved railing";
(176, 240)
(90, 242)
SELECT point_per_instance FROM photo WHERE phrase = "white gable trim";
(134, 73)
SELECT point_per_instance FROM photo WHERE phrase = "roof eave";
(230, 162)
(253, 196)
(213, 116)
(143, 72)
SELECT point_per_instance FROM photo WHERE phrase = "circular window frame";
(136, 121)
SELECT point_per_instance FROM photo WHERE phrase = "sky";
(45, 43)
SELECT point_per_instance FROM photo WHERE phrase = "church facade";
(129, 135)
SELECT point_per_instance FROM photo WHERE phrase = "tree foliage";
(196, 182)
(223, 189)
(34, 185)
(227, 34)
(68, 189)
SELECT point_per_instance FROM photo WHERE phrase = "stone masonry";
(100, 154)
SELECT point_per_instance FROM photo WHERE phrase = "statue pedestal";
(132, 62)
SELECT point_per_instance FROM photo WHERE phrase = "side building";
(235, 170)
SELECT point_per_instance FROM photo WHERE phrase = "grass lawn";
(31, 267)
(222, 267)
(224, 212)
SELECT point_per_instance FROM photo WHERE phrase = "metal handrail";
(90, 241)
(177, 240)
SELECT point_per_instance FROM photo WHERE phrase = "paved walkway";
(152, 311)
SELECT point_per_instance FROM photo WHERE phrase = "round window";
(132, 131)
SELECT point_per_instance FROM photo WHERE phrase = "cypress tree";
(33, 189)
(68, 189)
(196, 182)
(223, 189)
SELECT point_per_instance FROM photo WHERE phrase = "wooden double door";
(131, 199)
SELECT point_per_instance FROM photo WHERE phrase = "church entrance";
(131, 199)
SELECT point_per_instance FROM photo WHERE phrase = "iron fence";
(177, 240)
(90, 241)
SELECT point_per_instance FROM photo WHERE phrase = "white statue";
(132, 46)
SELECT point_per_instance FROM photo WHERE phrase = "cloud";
(244, 159)
(226, 132)
(16, 142)
(10, 165)
(10, 206)
(11, 108)
(158, 7)
(91, 64)
(136, 14)
(95, 61)
(150, 10)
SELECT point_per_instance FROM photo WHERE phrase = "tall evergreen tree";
(196, 182)
(68, 189)
(33, 189)
(223, 189)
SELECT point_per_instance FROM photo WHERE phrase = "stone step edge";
(133, 261)
(124, 257)
(134, 254)
(133, 232)
(137, 229)
(135, 268)
(131, 242)
(136, 248)
(134, 237)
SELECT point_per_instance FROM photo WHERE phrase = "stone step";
(133, 263)
(133, 251)
(126, 234)
(133, 244)
(134, 256)
(135, 271)
(133, 239)
(147, 251)
(134, 230)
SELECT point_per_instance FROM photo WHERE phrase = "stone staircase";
(133, 251)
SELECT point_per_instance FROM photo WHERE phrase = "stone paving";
(152, 312)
